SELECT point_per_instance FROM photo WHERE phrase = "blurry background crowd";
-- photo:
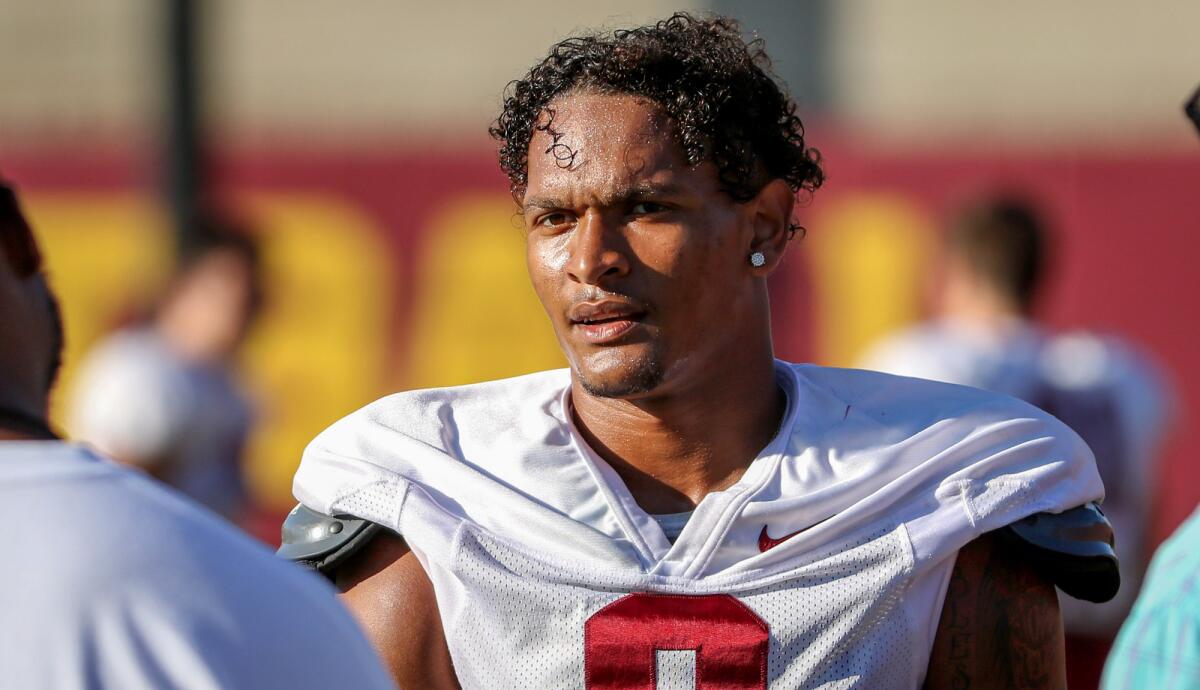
(262, 215)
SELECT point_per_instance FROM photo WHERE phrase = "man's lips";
(604, 321)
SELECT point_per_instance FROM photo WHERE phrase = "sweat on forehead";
(579, 120)
(605, 143)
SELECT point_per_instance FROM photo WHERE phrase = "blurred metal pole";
(184, 165)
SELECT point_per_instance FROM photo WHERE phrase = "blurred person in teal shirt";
(1159, 645)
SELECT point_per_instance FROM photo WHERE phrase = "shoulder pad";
(1074, 549)
(322, 542)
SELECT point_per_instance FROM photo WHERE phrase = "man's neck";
(179, 332)
(980, 309)
(674, 449)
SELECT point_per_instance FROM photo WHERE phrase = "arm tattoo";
(1000, 625)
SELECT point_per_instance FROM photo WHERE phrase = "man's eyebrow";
(544, 202)
(644, 189)
(617, 196)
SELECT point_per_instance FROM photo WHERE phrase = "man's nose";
(598, 252)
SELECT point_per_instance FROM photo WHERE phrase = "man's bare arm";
(389, 593)
(1000, 625)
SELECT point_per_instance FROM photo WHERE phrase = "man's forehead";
(601, 142)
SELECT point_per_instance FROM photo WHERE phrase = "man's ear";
(772, 208)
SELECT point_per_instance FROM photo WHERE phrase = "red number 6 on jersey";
(620, 641)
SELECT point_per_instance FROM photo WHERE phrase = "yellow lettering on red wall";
(322, 346)
(477, 317)
(869, 258)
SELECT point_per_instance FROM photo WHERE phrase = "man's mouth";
(606, 321)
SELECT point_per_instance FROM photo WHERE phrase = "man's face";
(216, 298)
(638, 258)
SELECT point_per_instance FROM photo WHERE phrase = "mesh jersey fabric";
(1099, 385)
(871, 486)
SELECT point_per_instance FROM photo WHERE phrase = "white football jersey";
(825, 565)
(1099, 385)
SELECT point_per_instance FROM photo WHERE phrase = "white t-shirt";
(1005, 360)
(138, 401)
(113, 582)
(826, 563)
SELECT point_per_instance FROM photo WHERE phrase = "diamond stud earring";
(758, 259)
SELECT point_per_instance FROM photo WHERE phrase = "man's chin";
(632, 379)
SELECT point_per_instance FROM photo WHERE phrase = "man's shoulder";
(1147, 651)
(1173, 580)
(104, 549)
(127, 368)
(116, 524)
(428, 414)
(130, 348)
(896, 423)
(893, 400)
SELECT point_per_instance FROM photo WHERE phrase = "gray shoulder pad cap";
(1074, 549)
(322, 542)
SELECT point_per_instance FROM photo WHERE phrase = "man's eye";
(647, 207)
(553, 220)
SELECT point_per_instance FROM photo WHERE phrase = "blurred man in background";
(115, 582)
(982, 336)
(996, 252)
(163, 397)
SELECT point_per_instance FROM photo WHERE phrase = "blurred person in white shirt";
(163, 396)
(116, 582)
(983, 334)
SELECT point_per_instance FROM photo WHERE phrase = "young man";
(679, 509)
(115, 582)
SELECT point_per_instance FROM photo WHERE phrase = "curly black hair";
(726, 105)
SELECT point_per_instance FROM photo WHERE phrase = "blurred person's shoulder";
(124, 366)
(129, 347)
(1174, 576)
(92, 507)
(131, 398)
(927, 350)
(1105, 364)
(122, 579)
(1155, 645)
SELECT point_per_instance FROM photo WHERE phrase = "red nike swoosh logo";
(765, 542)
